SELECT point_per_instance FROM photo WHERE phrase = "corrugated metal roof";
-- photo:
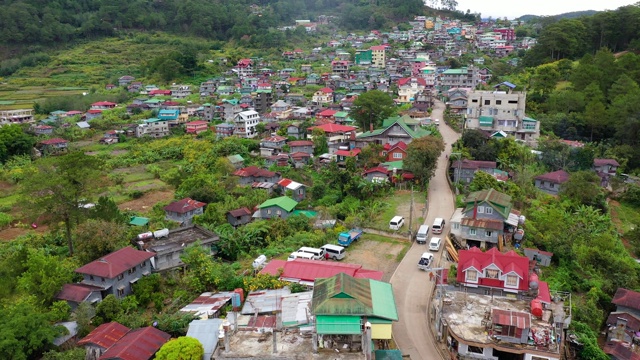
(105, 335)
(499, 201)
(296, 308)
(483, 223)
(115, 263)
(139, 344)
(518, 319)
(208, 303)
(384, 302)
(206, 331)
(76, 292)
(338, 325)
(264, 301)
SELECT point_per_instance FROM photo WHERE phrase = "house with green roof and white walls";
(280, 207)
(393, 130)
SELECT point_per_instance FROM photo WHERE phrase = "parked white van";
(334, 252)
(300, 255)
(318, 254)
(396, 223)
(423, 234)
(438, 226)
(434, 244)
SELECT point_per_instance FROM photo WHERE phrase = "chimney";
(475, 209)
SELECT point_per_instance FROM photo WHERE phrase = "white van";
(396, 223)
(335, 252)
(437, 122)
(438, 226)
(434, 244)
(318, 254)
(423, 234)
(300, 255)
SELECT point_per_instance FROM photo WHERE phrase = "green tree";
(422, 157)
(60, 186)
(583, 188)
(182, 348)
(107, 210)
(96, 238)
(44, 275)
(320, 145)
(371, 108)
(108, 309)
(14, 141)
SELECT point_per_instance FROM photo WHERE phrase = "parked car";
(425, 261)
(434, 244)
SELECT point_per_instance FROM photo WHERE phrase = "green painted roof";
(153, 101)
(497, 200)
(152, 120)
(455, 71)
(338, 325)
(526, 118)
(393, 164)
(235, 158)
(138, 221)
(404, 122)
(346, 295)
(341, 114)
(307, 213)
(284, 202)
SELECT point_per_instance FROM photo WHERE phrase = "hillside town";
(295, 130)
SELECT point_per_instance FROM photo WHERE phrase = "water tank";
(533, 281)
(259, 262)
(161, 233)
(241, 292)
(146, 235)
(521, 219)
(235, 300)
(536, 308)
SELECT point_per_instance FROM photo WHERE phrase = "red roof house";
(395, 152)
(115, 263)
(334, 128)
(184, 210)
(508, 271)
(139, 344)
(327, 114)
(75, 294)
(104, 336)
(196, 127)
(159, 92)
(551, 182)
(625, 298)
(306, 271)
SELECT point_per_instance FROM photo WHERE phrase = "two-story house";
(272, 145)
(394, 152)
(337, 135)
(180, 91)
(457, 100)
(605, 168)
(184, 210)
(245, 124)
(408, 88)
(153, 127)
(305, 146)
(394, 130)
(464, 170)
(253, 174)
(53, 146)
(623, 325)
(196, 127)
(551, 183)
(323, 96)
(484, 218)
(115, 273)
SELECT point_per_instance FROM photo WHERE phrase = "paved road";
(411, 286)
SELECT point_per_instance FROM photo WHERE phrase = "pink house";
(196, 127)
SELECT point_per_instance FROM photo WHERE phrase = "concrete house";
(300, 159)
(280, 207)
(323, 96)
(623, 325)
(464, 171)
(168, 249)
(252, 174)
(245, 124)
(551, 182)
(484, 217)
(395, 152)
(298, 191)
(304, 146)
(272, 144)
(378, 174)
(125, 80)
(239, 217)
(184, 210)
(116, 272)
(605, 166)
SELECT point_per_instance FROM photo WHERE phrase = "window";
(498, 102)
(102, 279)
(120, 292)
(475, 350)
(132, 270)
(121, 276)
(480, 209)
(456, 226)
(268, 211)
(487, 102)
(91, 277)
(279, 212)
(488, 233)
(512, 280)
(397, 155)
(488, 210)
(472, 275)
(474, 100)
(472, 232)
(491, 274)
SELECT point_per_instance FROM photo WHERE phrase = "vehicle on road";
(438, 226)
(425, 262)
(434, 244)
(437, 122)
(334, 252)
(423, 234)
(396, 223)
(346, 238)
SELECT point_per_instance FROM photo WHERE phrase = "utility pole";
(459, 156)
(411, 216)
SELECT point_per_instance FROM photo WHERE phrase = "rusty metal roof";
(139, 344)
(499, 201)
(627, 298)
(105, 335)
(483, 223)
(518, 319)
(115, 263)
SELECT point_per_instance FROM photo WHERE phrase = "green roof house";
(280, 207)
(342, 304)
(393, 130)
(484, 218)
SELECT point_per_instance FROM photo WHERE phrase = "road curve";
(411, 286)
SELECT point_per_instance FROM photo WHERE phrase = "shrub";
(136, 194)
(5, 220)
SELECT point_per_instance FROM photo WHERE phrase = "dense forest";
(42, 22)
(617, 30)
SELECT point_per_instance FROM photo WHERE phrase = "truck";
(425, 261)
(346, 238)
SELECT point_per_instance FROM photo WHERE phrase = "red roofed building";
(503, 272)
(327, 114)
(139, 344)
(253, 174)
(102, 338)
(342, 155)
(628, 301)
(196, 127)
(300, 159)
(394, 152)
(52, 146)
(305, 271)
(378, 174)
(620, 351)
(323, 96)
(116, 272)
(244, 68)
(606, 166)
(103, 105)
(158, 92)
(184, 210)
(552, 182)
(623, 325)
(408, 88)
(239, 217)
(74, 294)
(305, 146)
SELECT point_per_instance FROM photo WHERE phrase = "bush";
(5, 220)
(136, 194)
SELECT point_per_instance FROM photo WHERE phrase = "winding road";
(411, 286)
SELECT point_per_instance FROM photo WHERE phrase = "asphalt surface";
(411, 286)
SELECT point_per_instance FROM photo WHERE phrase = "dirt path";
(376, 255)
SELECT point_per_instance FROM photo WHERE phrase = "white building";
(245, 123)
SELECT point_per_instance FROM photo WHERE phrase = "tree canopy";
(422, 157)
(371, 108)
(182, 348)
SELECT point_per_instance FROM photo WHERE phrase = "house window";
(279, 212)
(480, 209)
(472, 275)
(132, 270)
(475, 350)
(120, 292)
(487, 233)
(498, 102)
(488, 210)
(491, 274)
(397, 155)
(102, 279)
(472, 232)
(268, 211)
(456, 226)
(487, 102)
(91, 277)
(512, 280)
(144, 263)
(121, 276)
